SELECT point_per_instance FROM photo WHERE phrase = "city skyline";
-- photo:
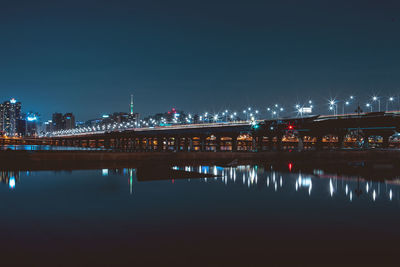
(88, 58)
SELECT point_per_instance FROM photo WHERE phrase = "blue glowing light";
(105, 116)
(13, 101)
(11, 183)
(31, 118)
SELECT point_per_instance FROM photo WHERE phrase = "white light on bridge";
(305, 110)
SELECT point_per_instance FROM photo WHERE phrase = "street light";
(333, 106)
(347, 103)
(375, 98)
(390, 99)
(368, 105)
(245, 112)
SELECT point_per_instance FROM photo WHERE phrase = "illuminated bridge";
(351, 130)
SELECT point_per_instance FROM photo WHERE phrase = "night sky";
(89, 56)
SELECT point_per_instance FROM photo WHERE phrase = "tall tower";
(10, 115)
(131, 104)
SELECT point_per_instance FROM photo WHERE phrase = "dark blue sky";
(89, 56)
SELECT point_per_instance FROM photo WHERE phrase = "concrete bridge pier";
(202, 143)
(185, 144)
(234, 143)
(134, 144)
(116, 143)
(106, 143)
(259, 140)
(218, 143)
(279, 142)
(160, 144)
(319, 144)
(191, 144)
(177, 144)
(300, 144)
(270, 142)
(340, 140)
(385, 141)
(366, 141)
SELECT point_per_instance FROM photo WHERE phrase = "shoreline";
(51, 160)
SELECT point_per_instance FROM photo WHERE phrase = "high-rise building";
(57, 121)
(10, 114)
(63, 122)
(32, 124)
(69, 121)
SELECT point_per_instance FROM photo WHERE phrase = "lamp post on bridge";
(388, 101)
(333, 106)
(368, 105)
(374, 99)
(347, 103)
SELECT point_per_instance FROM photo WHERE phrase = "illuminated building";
(57, 121)
(31, 124)
(63, 122)
(69, 121)
(133, 117)
(10, 114)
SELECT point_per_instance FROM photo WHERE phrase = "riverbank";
(49, 160)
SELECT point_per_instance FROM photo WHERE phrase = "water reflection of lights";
(252, 176)
(10, 178)
(331, 190)
(305, 182)
(268, 178)
(12, 183)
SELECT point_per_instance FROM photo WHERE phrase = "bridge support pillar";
(366, 141)
(190, 144)
(300, 144)
(218, 143)
(202, 143)
(279, 142)
(160, 144)
(270, 142)
(140, 144)
(260, 143)
(385, 141)
(341, 141)
(151, 144)
(177, 144)
(234, 143)
(185, 144)
(133, 144)
(116, 143)
(106, 143)
(318, 144)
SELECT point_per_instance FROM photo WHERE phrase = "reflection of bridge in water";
(266, 177)
(259, 177)
(351, 130)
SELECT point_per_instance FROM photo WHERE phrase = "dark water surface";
(248, 216)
